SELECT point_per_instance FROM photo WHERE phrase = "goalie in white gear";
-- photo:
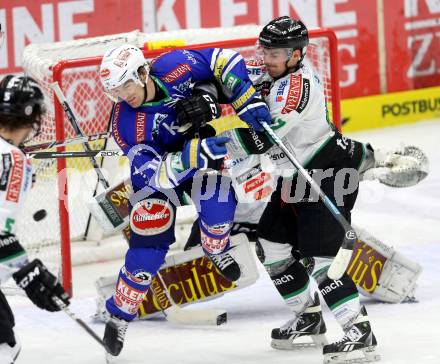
(21, 111)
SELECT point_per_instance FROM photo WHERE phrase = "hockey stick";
(342, 258)
(177, 315)
(62, 306)
(101, 164)
(88, 154)
(80, 322)
(73, 121)
(63, 143)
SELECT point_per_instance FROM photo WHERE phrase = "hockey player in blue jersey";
(166, 162)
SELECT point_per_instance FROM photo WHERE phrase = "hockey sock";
(215, 238)
(342, 298)
(293, 284)
(135, 277)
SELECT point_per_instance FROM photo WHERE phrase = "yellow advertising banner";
(390, 109)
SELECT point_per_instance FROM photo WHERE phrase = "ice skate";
(357, 346)
(309, 324)
(114, 335)
(227, 265)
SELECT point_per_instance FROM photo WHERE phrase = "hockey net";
(64, 185)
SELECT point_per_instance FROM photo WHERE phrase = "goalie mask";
(21, 102)
(287, 33)
(120, 68)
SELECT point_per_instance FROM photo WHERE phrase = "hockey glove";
(41, 286)
(204, 154)
(196, 111)
(254, 112)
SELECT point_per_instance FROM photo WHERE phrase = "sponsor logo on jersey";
(16, 177)
(177, 73)
(305, 96)
(254, 63)
(115, 129)
(7, 163)
(263, 193)
(231, 81)
(140, 126)
(281, 88)
(184, 86)
(293, 94)
(8, 240)
(190, 56)
(332, 286)
(257, 182)
(128, 298)
(284, 279)
(249, 174)
(218, 229)
(213, 245)
(256, 71)
(152, 216)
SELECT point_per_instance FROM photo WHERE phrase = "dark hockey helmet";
(21, 102)
(285, 32)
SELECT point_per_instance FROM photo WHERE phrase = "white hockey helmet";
(121, 64)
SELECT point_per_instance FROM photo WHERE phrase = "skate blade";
(318, 341)
(368, 356)
(109, 358)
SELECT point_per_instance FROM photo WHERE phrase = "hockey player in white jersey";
(21, 110)
(297, 103)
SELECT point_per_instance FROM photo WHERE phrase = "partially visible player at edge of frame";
(166, 160)
(21, 111)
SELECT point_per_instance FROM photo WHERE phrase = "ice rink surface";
(408, 219)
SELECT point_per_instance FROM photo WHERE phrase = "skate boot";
(226, 264)
(357, 346)
(310, 324)
(114, 335)
(9, 353)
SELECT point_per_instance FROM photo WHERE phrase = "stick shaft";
(340, 262)
(73, 121)
(85, 154)
(63, 143)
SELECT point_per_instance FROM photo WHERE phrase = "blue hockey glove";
(204, 154)
(255, 111)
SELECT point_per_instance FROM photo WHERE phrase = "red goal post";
(78, 78)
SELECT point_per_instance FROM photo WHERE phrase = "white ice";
(408, 219)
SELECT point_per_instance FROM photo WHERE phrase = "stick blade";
(180, 316)
(339, 264)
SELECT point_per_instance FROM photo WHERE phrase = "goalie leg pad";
(135, 277)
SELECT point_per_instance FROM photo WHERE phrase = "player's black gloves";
(41, 286)
(194, 112)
